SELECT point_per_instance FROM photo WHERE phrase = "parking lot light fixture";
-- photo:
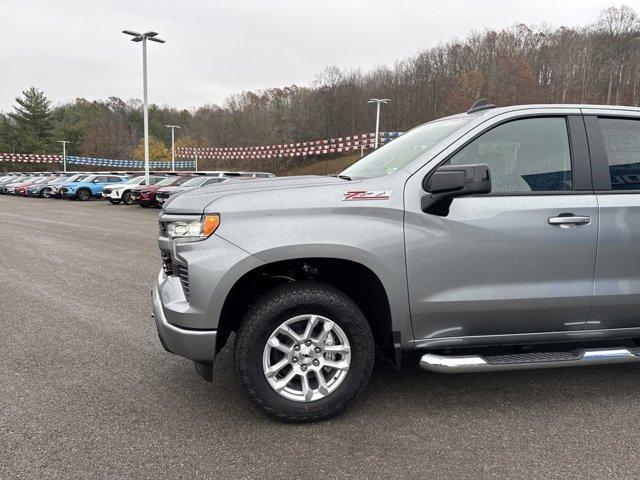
(378, 101)
(64, 154)
(173, 146)
(143, 37)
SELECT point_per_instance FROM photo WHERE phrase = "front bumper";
(112, 194)
(198, 345)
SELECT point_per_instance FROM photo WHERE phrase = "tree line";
(597, 63)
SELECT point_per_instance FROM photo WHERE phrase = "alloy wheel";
(306, 358)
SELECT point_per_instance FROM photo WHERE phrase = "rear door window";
(622, 143)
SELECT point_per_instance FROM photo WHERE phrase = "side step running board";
(525, 361)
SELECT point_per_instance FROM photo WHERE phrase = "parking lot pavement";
(86, 390)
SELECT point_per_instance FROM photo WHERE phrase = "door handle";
(569, 220)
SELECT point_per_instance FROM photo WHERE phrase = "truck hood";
(195, 201)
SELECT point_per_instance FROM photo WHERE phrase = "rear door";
(614, 141)
(506, 263)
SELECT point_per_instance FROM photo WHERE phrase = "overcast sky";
(74, 48)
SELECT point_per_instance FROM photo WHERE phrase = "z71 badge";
(367, 195)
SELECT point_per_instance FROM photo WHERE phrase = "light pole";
(378, 101)
(64, 154)
(173, 146)
(143, 37)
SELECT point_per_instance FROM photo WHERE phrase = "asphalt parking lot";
(86, 390)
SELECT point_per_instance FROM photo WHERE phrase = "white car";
(122, 192)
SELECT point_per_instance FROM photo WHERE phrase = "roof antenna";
(480, 105)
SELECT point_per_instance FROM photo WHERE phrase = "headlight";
(194, 229)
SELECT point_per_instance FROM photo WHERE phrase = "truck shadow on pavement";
(416, 393)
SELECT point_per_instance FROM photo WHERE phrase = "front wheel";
(303, 352)
(127, 198)
(83, 195)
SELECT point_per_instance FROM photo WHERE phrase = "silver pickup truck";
(497, 239)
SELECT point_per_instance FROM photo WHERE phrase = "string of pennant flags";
(97, 162)
(189, 154)
(316, 147)
(107, 162)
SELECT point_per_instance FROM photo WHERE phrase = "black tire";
(272, 310)
(127, 199)
(114, 202)
(83, 195)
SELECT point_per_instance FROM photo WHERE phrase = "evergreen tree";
(33, 121)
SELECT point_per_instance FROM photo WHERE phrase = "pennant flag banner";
(139, 164)
(30, 158)
(317, 147)
(98, 162)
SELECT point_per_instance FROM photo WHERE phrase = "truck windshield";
(403, 150)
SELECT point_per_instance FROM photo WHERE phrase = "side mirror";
(450, 181)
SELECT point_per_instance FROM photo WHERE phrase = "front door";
(519, 260)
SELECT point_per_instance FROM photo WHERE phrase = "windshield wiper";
(344, 177)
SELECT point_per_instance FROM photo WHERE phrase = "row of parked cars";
(126, 188)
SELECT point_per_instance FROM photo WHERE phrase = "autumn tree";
(157, 150)
(469, 88)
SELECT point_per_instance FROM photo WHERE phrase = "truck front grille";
(173, 268)
(183, 273)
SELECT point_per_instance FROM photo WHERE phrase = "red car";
(21, 188)
(145, 195)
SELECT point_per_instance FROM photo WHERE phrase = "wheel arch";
(355, 279)
(86, 189)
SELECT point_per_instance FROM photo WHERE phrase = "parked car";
(52, 190)
(10, 179)
(90, 187)
(497, 239)
(257, 174)
(10, 188)
(37, 189)
(145, 195)
(228, 174)
(22, 189)
(165, 192)
(122, 193)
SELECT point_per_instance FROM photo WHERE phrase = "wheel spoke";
(311, 323)
(307, 392)
(341, 365)
(342, 349)
(323, 388)
(285, 330)
(275, 343)
(281, 384)
(274, 369)
(326, 328)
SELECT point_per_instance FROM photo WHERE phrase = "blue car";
(90, 187)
